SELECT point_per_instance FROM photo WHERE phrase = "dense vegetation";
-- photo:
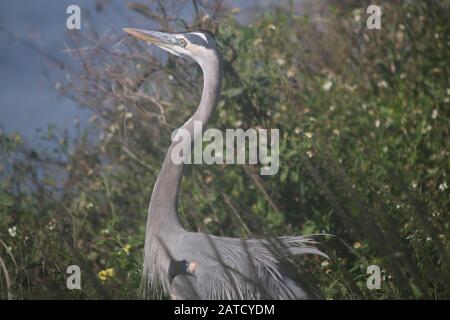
(364, 153)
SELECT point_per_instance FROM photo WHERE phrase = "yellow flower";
(110, 272)
(126, 248)
(106, 274)
(357, 245)
(103, 275)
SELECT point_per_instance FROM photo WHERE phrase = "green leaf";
(233, 92)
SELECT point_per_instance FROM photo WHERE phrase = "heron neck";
(163, 204)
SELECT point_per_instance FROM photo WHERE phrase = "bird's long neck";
(163, 204)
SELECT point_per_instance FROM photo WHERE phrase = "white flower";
(281, 61)
(357, 14)
(309, 135)
(327, 85)
(207, 220)
(257, 41)
(434, 114)
(51, 225)
(357, 245)
(291, 72)
(443, 186)
(12, 231)
(309, 154)
(206, 18)
(128, 115)
(325, 263)
(377, 123)
(382, 84)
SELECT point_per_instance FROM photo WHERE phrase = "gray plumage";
(190, 265)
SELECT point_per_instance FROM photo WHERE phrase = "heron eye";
(183, 42)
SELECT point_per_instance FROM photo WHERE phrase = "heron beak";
(158, 38)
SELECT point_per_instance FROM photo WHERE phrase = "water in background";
(28, 99)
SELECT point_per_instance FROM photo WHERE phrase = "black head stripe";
(198, 40)
(208, 33)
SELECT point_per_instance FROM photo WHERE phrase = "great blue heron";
(191, 265)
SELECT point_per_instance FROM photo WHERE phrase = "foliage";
(364, 120)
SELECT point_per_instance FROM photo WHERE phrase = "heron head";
(198, 45)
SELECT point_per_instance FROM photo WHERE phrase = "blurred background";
(24, 65)
(86, 117)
